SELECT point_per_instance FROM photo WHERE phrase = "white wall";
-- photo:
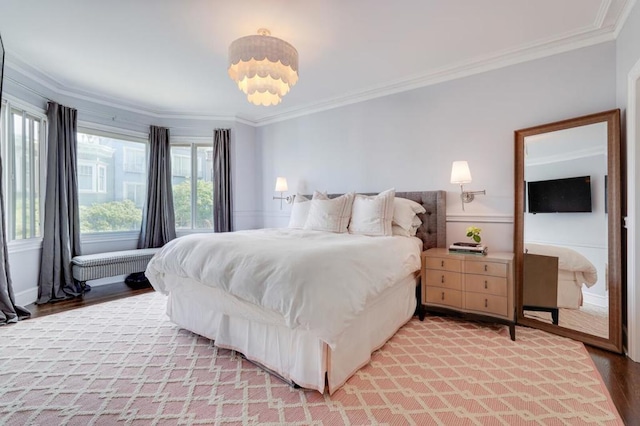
(408, 140)
(628, 57)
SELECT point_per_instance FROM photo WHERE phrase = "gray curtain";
(222, 197)
(61, 239)
(9, 312)
(158, 221)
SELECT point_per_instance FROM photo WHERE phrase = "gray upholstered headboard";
(433, 231)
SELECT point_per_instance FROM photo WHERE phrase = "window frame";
(11, 104)
(193, 143)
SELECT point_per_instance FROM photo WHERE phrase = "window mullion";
(194, 186)
(24, 173)
(32, 183)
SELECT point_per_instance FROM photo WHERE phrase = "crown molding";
(594, 34)
(605, 5)
(622, 17)
(15, 63)
(465, 69)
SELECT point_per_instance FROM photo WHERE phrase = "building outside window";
(135, 159)
(192, 182)
(108, 167)
(135, 192)
(24, 133)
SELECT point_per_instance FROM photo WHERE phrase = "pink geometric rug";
(123, 362)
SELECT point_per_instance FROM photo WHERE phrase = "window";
(86, 177)
(24, 133)
(135, 192)
(181, 163)
(135, 160)
(108, 168)
(193, 203)
(102, 178)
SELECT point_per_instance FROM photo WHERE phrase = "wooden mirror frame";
(612, 118)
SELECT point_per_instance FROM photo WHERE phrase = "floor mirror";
(568, 228)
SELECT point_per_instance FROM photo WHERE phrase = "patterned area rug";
(123, 362)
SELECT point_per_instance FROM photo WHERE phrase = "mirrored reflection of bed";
(307, 304)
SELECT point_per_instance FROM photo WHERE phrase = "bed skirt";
(296, 355)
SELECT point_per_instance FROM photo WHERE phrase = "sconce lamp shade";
(281, 184)
(460, 172)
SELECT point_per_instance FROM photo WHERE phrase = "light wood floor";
(620, 374)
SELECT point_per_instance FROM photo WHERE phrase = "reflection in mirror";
(565, 229)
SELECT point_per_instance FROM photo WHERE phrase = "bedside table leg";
(421, 313)
(512, 331)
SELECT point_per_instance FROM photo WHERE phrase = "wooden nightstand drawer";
(448, 279)
(444, 297)
(443, 264)
(487, 303)
(485, 268)
(477, 286)
(486, 284)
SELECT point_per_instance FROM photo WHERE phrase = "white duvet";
(318, 281)
(568, 260)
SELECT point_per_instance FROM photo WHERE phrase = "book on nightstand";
(468, 248)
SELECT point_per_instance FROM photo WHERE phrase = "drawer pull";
(486, 303)
(485, 268)
(485, 285)
(443, 295)
(442, 279)
(442, 264)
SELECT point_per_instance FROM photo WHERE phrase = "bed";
(316, 347)
(574, 271)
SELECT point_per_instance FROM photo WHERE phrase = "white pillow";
(411, 232)
(399, 231)
(404, 212)
(330, 215)
(300, 210)
(372, 215)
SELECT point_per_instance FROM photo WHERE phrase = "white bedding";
(568, 260)
(316, 281)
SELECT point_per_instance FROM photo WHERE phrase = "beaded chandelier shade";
(264, 67)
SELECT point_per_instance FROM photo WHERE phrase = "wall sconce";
(281, 187)
(460, 174)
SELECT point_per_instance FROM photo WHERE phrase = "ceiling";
(169, 57)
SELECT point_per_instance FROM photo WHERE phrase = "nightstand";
(473, 286)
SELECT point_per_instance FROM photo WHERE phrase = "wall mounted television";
(569, 195)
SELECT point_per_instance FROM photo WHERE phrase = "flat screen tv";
(569, 195)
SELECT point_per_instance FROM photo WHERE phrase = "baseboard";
(595, 299)
(26, 297)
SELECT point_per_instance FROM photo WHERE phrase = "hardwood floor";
(619, 373)
(103, 293)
